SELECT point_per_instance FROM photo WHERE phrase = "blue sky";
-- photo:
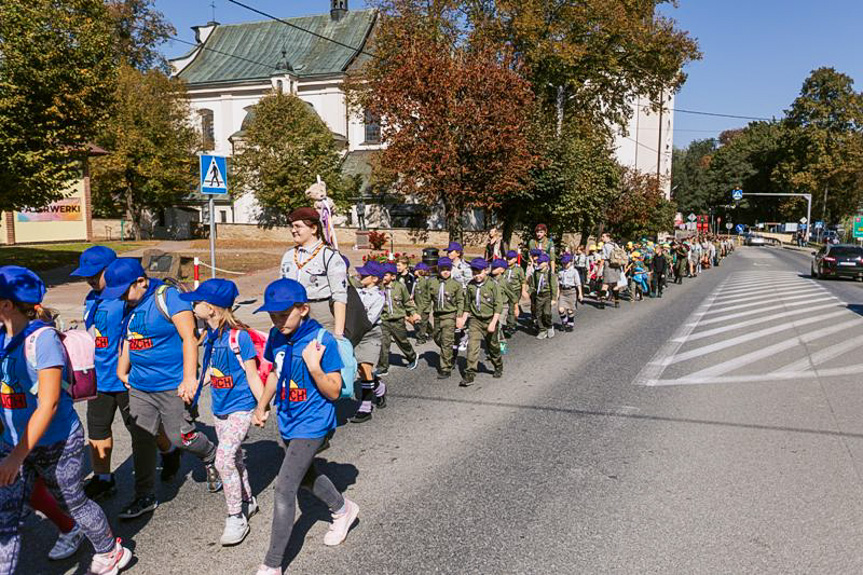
(756, 52)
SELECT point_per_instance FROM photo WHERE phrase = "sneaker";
(413, 365)
(171, 464)
(97, 488)
(444, 374)
(214, 482)
(264, 570)
(251, 507)
(67, 544)
(382, 372)
(342, 524)
(466, 380)
(361, 417)
(462, 347)
(112, 562)
(140, 506)
(542, 335)
(498, 373)
(380, 401)
(236, 529)
(551, 332)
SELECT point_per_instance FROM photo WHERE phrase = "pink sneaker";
(342, 524)
(111, 562)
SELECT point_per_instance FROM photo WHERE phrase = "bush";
(378, 239)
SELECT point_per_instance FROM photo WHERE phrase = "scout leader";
(543, 288)
(398, 306)
(447, 300)
(484, 305)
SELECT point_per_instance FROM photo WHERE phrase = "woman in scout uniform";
(542, 286)
(42, 435)
(484, 305)
(421, 298)
(398, 307)
(514, 277)
(305, 380)
(368, 350)
(230, 365)
(569, 281)
(319, 268)
(542, 242)
(447, 297)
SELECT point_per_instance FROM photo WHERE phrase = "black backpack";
(357, 322)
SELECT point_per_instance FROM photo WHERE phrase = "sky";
(757, 53)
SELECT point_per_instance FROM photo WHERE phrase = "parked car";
(837, 260)
(753, 239)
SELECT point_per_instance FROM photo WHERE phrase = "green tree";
(138, 31)
(689, 175)
(640, 208)
(152, 163)
(286, 146)
(57, 77)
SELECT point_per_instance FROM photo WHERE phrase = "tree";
(689, 175)
(57, 76)
(285, 148)
(152, 146)
(138, 29)
(640, 209)
(456, 111)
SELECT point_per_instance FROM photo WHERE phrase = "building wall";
(648, 141)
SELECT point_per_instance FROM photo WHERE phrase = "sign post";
(858, 227)
(737, 194)
(214, 181)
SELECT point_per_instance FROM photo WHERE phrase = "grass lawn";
(48, 256)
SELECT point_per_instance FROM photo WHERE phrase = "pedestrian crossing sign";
(214, 174)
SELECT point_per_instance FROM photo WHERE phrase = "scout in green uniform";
(484, 306)
(498, 269)
(398, 307)
(514, 278)
(447, 300)
(423, 301)
(543, 288)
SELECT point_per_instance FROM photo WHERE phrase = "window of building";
(208, 134)
(223, 216)
(373, 128)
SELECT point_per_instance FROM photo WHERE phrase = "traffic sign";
(858, 227)
(737, 194)
(803, 220)
(728, 226)
(740, 228)
(691, 217)
(214, 175)
(818, 225)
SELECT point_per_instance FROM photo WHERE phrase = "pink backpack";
(80, 361)
(259, 340)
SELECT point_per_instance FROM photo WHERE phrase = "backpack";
(357, 322)
(619, 258)
(80, 347)
(259, 340)
(162, 298)
(349, 371)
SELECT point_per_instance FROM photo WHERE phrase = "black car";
(835, 261)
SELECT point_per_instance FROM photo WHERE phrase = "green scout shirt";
(448, 300)
(421, 294)
(514, 278)
(546, 245)
(484, 300)
(505, 289)
(540, 282)
(397, 302)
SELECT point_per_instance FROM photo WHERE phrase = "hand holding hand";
(260, 416)
(187, 390)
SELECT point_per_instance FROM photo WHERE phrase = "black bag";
(357, 322)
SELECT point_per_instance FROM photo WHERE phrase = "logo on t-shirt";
(294, 393)
(11, 395)
(136, 334)
(218, 378)
(100, 326)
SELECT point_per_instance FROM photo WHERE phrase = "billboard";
(68, 210)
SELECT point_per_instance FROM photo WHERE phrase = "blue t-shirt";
(107, 323)
(155, 346)
(17, 382)
(303, 412)
(228, 382)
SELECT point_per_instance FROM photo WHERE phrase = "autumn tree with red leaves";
(640, 209)
(456, 114)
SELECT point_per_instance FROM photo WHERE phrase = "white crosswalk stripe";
(759, 327)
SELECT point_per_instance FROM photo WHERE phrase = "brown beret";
(304, 214)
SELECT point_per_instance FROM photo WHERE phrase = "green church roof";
(253, 50)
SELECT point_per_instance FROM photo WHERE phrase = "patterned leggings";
(61, 467)
(231, 430)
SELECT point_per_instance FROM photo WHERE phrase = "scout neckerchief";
(128, 312)
(389, 289)
(310, 258)
(441, 293)
(540, 282)
(478, 293)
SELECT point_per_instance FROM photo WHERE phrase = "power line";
(718, 115)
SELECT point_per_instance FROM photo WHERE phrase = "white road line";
(744, 296)
(752, 336)
(766, 309)
(748, 323)
(823, 355)
(749, 286)
(760, 301)
(764, 377)
(774, 349)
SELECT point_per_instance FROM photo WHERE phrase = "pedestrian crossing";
(760, 326)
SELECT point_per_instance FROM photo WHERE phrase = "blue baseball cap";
(94, 260)
(371, 268)
(216, 291)
(390, 268)
(478, 264)
(565, 258)
(543, 259)
(444, 263)
(119, 275)
(421, 267)
(454, 247)
(511, 254)
(499, 263)
(21, 285)
(283, 294)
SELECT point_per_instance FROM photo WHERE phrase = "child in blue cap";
(42, 434)
(305, 381)
(230, 365)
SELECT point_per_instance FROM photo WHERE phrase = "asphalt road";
(680, 435)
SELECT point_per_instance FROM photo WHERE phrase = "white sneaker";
(67, 544)
(236, 529)
(112, 562)
(551, 332)
(264, 570)
(251, 507)
(342, 524)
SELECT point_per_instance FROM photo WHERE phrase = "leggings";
(41, 500)
(61, 467)
(231, 430)
(298, 470)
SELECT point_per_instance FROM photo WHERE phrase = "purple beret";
(421, 267)
(444, 263)
(499, 263)
(478, 264)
